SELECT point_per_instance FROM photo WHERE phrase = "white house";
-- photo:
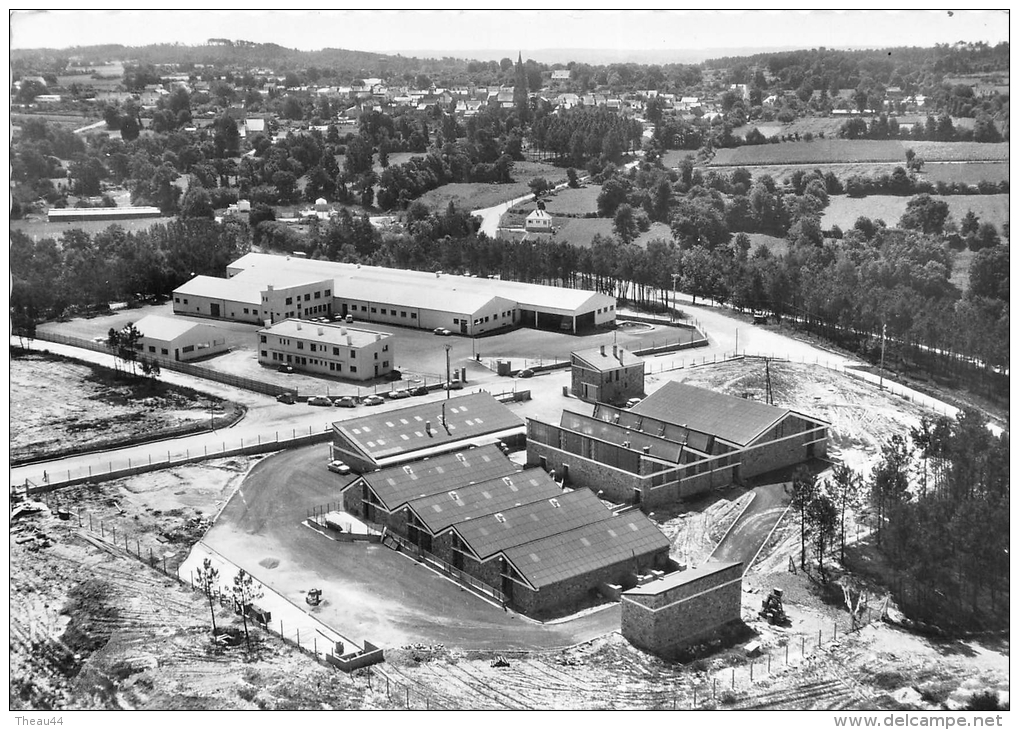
(539, 221)
(177, 339)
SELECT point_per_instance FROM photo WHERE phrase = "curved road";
(747, 535)
(370, 591)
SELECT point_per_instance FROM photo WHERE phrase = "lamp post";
(448, 383)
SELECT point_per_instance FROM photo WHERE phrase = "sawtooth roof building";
(537, 547)
(678, 442)
(427, 300)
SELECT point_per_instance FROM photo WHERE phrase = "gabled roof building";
(678, 442)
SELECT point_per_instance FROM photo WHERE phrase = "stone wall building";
(682, 609)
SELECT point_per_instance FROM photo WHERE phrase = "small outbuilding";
(178, 339)
(682, 609)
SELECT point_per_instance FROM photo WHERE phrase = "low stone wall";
(371, 654)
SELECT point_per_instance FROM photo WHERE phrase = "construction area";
(89, 642)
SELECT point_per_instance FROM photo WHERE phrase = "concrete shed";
(178, 339)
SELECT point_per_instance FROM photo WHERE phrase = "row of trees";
(939, 129)
(577, 135)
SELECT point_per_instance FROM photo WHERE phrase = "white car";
(339, 467)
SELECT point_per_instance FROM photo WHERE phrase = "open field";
(959, 151)
(970, 173)
(38, 227)
(843, 210)
(818, 151)
(824, 152)
(571, 200)
(842, 170)
(776, 245)
(61, 405)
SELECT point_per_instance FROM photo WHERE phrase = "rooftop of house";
(166, 329)
(330, 334)
(607, 357)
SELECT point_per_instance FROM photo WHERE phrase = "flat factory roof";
(330, 334)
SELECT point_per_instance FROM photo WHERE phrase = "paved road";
(371, 592)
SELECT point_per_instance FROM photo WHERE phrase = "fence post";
(298, 638)
(803, 646)
(834, 631)
(114, 534)
(751, 672)
(90, 521)
(408, 698)
(281, 630)
(819, 638)
(769, 663)
(734, 679)
(714, 685)
(90, 471)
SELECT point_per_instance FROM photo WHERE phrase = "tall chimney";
(603, 349)
(428, 427)
(298, 325)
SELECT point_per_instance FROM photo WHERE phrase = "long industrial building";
(543, 549)
(678, 442)
(262, 288)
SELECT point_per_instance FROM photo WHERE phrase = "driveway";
(370, 591)
(746, 536)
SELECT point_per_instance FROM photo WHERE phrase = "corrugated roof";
(674, 580)
(527, 523)
(586, 549)
(658, 448)
(607, 358)
(734, 419)
(165, 328)
(626, 418)
(460, 504)
(405, 430)
(528, 296)
(331, 334)
(397, 485)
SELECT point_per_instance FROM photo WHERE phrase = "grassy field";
(836, 151)
(781, 173)
(39, 227)
(959, 151)
(672, 158)
(970, 172)
(818, 151)
(776, 245)
(574, 200)
(843, 210)
(579, 232)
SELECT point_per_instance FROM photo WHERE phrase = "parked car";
(420, 390)
(372, 400)
(442, 331)
(394, 375)
(339, 467)
(454, 385)
(320, 400)
(347, 401)
(286, 369)
(633, 401)
(397, 394)
(287, 398)
(526, 373)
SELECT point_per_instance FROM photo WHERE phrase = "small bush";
(728, 697)
(986, 700)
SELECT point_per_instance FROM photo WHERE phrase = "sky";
(477, 30)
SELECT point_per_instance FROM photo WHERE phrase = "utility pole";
(448, 383)
(881, 372)
(737, 342)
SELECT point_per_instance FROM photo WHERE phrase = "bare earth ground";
(60, 404)
(144, 642)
